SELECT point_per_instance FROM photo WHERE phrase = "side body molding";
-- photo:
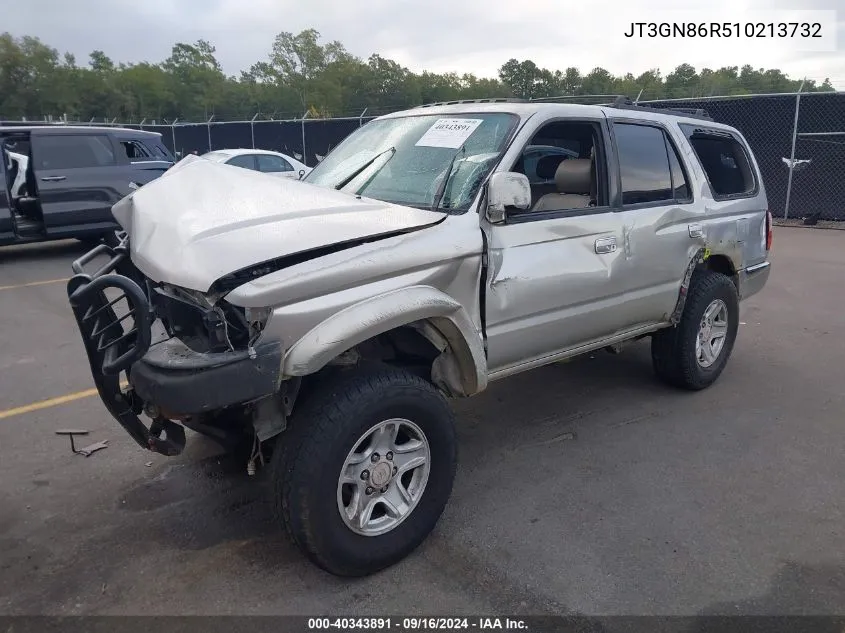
(461, 368)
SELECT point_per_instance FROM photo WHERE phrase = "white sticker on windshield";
(449, 133)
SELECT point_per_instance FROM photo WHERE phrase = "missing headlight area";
(203, 327)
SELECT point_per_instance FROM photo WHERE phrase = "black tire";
(673, 350)
(309, 457)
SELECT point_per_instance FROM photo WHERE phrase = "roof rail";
(568, 98)
(462, 101)
(625, 103)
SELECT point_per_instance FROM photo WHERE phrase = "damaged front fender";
(461, 368)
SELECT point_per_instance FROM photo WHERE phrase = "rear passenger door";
(662, 223)
(78, 180)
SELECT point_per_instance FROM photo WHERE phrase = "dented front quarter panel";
(323, 307)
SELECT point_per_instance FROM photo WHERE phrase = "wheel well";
(721, 264)
(420, 348)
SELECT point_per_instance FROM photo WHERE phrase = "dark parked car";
(61, 181)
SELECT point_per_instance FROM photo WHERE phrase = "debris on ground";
(92, 448)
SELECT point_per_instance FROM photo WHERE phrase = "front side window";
(247, 161)
(541, 163)
(405, 160)
(73, 151)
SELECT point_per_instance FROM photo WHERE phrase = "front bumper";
(175, 379)
(180, 381)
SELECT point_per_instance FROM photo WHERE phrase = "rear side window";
(644, 164)
(726, 164)
(651, 168)
(680, 186)
(135, 150)
(270, 163)
(72, 151)
(157, 150)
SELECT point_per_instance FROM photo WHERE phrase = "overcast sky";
(439, 35)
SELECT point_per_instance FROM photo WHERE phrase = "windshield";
(409, 157)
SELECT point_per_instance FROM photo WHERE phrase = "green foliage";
(301, 74)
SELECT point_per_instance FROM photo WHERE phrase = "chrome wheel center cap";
(381, 474)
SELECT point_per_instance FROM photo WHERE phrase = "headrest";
(573, 176)
(547, 166)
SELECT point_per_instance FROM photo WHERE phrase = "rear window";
(725, 162)
(72, 151)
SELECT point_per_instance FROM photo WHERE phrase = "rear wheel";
(693, 354)
(365, 470)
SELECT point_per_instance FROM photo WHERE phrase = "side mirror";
(506, 190)
(301, 174)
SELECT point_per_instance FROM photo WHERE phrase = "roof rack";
(462, 101)
(604, 99)
(625, 103)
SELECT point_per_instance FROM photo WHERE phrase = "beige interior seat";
(573, 179)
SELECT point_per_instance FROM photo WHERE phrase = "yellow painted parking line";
(50, 402)
(34, 283)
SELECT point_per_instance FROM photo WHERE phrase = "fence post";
(304, 154)
(208, 123)
(361, 117)
(792, 155)
(252, 129)
(141, 124)
(173, 135)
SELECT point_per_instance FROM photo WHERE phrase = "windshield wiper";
(441, 190)
(352, 176)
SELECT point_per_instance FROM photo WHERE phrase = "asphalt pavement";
(584, 487)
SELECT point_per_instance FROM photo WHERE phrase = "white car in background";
(274, 163)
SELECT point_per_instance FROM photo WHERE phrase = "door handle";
(53, 178)
(605, 245)
(696, 230)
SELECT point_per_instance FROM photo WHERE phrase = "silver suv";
(322, 324)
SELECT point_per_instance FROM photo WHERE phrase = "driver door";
(552, 274)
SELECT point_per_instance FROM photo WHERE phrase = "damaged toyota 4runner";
(324, 323)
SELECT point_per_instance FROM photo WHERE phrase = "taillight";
(768, 230)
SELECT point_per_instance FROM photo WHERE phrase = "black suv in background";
(61, 181)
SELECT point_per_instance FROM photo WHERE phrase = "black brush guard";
(114, 343)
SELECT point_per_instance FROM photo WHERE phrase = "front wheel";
(693, 354)
(366, 469)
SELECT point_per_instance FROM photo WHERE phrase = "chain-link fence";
(798, 140)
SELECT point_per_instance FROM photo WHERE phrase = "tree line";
(303, 74)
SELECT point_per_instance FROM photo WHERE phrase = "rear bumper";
(180, 381)
(753, 278)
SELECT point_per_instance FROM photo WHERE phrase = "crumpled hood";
(202, 220)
